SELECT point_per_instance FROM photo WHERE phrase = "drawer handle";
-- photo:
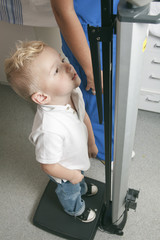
(156, 61)
(153, 99)
(153, 77)
(156, 45)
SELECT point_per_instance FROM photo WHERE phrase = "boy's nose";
(68, 67)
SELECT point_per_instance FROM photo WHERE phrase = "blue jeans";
(69, 196)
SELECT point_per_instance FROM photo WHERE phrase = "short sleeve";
(49, 148)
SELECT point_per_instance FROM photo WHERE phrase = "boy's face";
(57, 77)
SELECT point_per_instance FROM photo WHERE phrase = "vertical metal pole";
(106, 14)
(95, 52)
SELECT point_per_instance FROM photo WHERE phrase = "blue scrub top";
(89, 12)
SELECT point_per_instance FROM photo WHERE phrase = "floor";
(22, 182)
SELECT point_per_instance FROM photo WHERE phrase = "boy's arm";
(92, 148)
(58, 171)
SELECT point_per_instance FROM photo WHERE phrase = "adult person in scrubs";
(72, 17)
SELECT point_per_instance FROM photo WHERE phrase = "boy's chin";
(77, 83)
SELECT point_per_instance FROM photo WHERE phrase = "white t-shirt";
(60, 135)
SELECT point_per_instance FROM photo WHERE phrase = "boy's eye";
(57, 70)
(63, 60)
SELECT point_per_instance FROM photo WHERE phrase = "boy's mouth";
(75, 75)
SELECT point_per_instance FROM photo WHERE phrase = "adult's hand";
(91, 85)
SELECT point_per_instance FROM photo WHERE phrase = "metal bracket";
(131, 197)
(102, 34)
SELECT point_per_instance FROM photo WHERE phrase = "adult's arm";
(73, 34)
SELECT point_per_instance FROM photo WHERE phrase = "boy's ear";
(40, 98)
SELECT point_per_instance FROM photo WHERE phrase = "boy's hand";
(92, 151)
(76, 177)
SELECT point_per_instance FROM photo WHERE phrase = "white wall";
(10, 33)
(49, 35)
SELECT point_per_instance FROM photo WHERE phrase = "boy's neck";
(61, 100)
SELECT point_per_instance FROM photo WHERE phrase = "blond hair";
(18, 68)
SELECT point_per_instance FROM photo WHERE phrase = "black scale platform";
(50, 216)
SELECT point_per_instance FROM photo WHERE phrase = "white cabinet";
(150, 89)
(151, 68)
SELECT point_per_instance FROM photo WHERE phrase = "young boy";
(62, 131)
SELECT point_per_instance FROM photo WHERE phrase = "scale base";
(51, 217)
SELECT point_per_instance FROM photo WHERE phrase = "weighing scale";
(131, 27)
